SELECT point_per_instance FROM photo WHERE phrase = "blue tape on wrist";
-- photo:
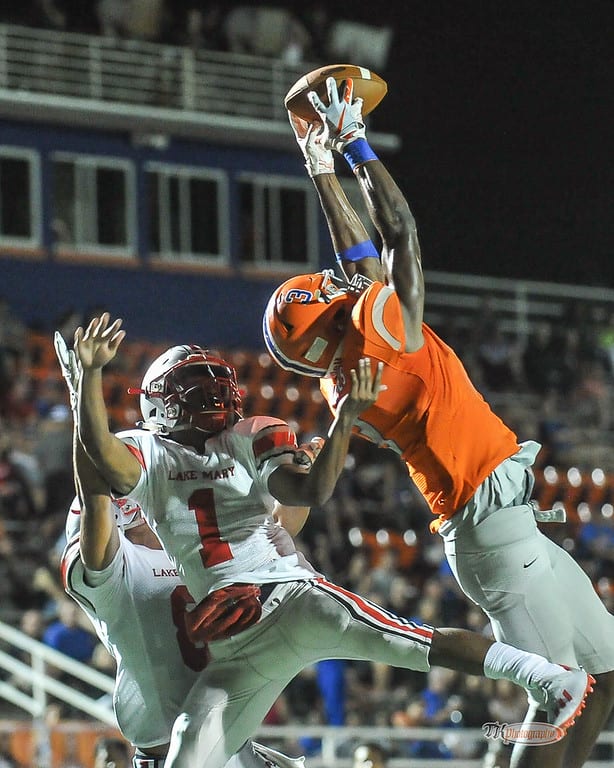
(358, 152)
(358, 252)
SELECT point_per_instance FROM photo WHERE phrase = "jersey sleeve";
(269, 443)
(142, 445)
(378, 318)
(95, 591)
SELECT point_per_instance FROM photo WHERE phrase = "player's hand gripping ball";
(368, 86)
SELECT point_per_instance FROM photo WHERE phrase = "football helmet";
(186, 387)
(305, 321)
(128, 514)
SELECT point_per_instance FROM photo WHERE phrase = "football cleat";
(274, 759)
(563, 696)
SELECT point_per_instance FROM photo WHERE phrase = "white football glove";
(311, 137)
(342, 117)
(70, 367)
(307, 453)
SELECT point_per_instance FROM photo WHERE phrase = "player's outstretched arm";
(98, 536)
(386, 204)
(353, 247)
(95, 347)
(293, 519)
(315, 487)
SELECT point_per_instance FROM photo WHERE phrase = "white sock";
(521, 667)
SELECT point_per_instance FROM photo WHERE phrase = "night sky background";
(506, 116)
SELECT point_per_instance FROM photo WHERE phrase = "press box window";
(93, 204)
(188, 214)
(19, 197)
(278, 221)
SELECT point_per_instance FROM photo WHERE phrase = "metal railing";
(38, 683)
(109, 82)
(334, 740)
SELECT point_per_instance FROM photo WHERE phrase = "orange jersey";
(430, 413)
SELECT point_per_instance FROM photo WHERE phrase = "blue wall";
(208, 310)
(158, 305)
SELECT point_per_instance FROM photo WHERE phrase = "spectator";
(7, 760)
(591, 396)
(370, 755)
(497, 357)
(266, 31)
(67, 635)
(12, 349)
(541, 360)
(330, 676)
(16, 498)
(111, 753)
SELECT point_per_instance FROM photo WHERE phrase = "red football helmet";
(305, 321)
(186, 387)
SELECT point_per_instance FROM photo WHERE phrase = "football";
(370, 87)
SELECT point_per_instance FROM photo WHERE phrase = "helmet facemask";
(207, 393)
(192, 390)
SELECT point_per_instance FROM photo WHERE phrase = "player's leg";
(557, 690)
(370, 632)
(503, 565)
(255, 755)
(528, 587)
(531, 756)
(594, 645)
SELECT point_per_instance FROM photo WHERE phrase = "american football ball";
(370, 87)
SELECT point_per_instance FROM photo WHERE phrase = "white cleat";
(563, 696)
(276, 759)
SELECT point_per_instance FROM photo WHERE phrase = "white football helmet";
(188, 388)
(128, 514)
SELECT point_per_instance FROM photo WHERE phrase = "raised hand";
(311, 139)
(342, 117)
(97, 345)
(307, 453)
(365, 389)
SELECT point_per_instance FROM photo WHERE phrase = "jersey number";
(194, 657)
(214, 551)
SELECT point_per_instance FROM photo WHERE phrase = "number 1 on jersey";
(214, 551)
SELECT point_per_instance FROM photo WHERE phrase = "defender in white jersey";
(113, 577)
(156, 662)
(207, 480)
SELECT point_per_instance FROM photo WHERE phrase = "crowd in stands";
(557, 386)
(272, 30)
(372, 536)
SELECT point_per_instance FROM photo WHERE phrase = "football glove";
(69, 366)
(310, 138)
(224, 613)
(306, 453)
(342, 117)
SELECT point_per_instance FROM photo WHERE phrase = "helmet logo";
(316, 350)
(298, 296)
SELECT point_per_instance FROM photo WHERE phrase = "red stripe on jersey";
(71, 553)
(277, 437)
(379, 615)
(137, 454)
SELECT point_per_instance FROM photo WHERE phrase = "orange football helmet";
(305, 320)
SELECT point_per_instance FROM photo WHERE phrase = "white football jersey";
(137, 604)
(213, 510)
